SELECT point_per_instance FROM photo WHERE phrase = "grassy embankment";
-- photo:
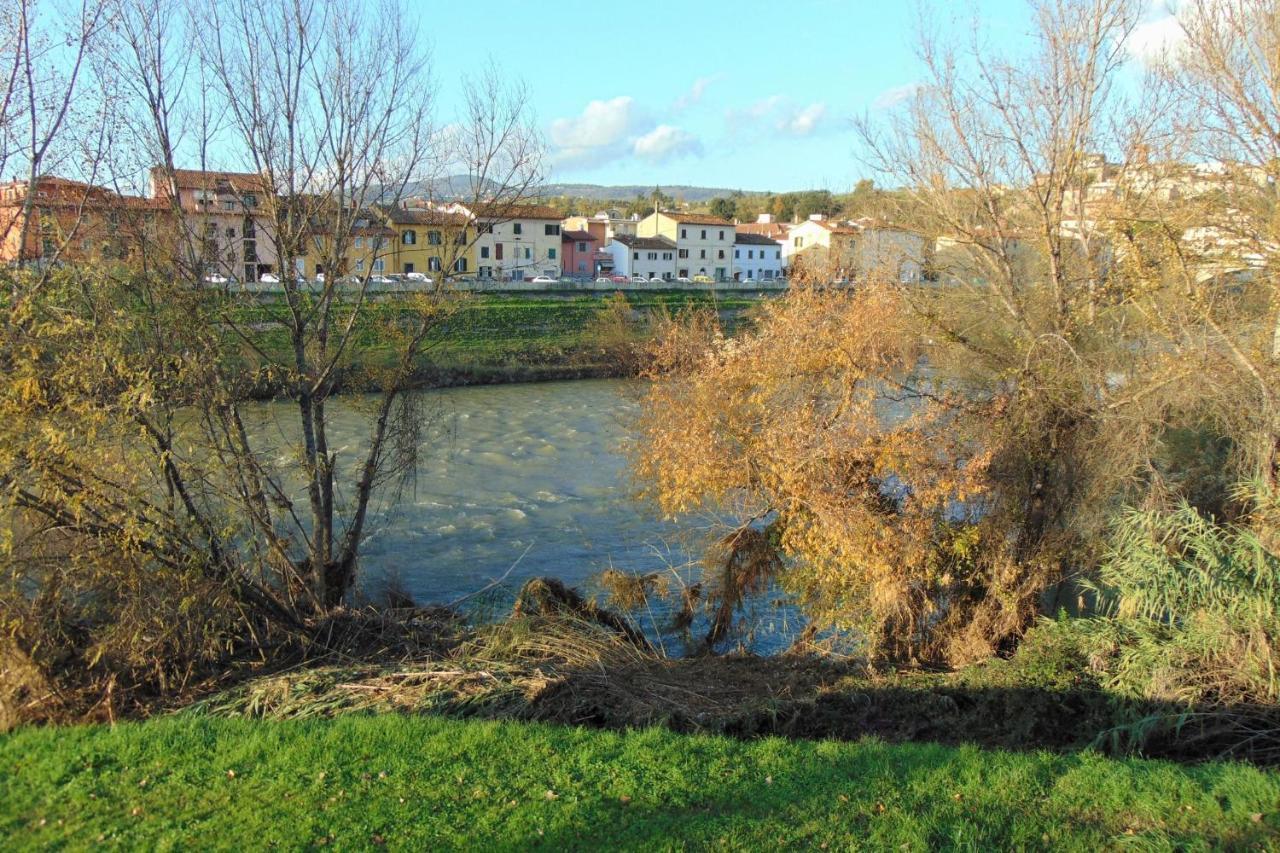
(431, 783)
(506, 337)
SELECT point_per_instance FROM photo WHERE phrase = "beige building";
(515, 242)
(704, 243)
(835, 250)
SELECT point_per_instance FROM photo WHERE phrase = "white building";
(515, 241)
(756, 257)
(704, 243)
(650, 257)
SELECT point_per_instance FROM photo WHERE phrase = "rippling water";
(532, 476)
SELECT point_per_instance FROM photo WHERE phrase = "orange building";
(70, 221)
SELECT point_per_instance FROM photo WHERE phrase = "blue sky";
(745, 94)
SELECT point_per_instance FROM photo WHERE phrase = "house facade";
(578, 251)
(756, 257)
(704, 243)
(225, 213)
(647, 257)
(515, 242)
(432, 243)
(74, 222)
(834, 250)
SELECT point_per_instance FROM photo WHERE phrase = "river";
(521, 480)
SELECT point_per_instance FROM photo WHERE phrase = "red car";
(619, 279)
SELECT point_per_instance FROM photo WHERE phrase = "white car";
(379, 279)
(639, 279)
(418, 276)
(545, 279)
(268, 278)
(214, 278)
(657, 280)
(604, 280)
(684, 279)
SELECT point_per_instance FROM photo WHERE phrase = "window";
(231, 232)
(751, 253)
(517, 228)
(702, 253)
(460, 265)
(582, 266)
(433, 237)
(683, 234)
(737, 253)
(433, 264)
(721, 235)
(582, 247)
(359, 242)
(666, 256)
(409, 238)
(360, 265)
(635, 256)
(704, 233)
(777, 255)
(378, 265)
(408, 267)
(528, 253)
(653, 256)
(551, 254)
(684, 253)
(799, 242)
(720, 254)
(552, 231)
(460, 238)
(497, 252)
(484, 252)
(250, 200)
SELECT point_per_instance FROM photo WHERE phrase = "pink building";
(578, 254)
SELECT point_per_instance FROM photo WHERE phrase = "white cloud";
(805, 121)
(1157, 36)
(695, 93)
(780, 114)
(667, 142)
(895, 95)
(600, 133)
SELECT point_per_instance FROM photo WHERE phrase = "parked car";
(417, 276)
(619, 279)
(657, 280)
(748, 280)
(214, 278)
(545, 279)
(703, 279)
(268, 278)
(604, 279)
(380, 279)
(684, 279)
(639, 279)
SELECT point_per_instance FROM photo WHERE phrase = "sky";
(744, 95)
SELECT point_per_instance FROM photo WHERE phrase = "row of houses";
(226, 216)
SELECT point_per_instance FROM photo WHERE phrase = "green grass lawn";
(430, 783)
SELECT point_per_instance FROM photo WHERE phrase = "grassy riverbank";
(494, 338)
(430, 783)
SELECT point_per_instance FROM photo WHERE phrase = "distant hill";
(459, 186)
(599, 192)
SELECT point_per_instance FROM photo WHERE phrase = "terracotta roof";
(644, 242)
(516, 211)
(210, 180)
(697, 219)
(571, 236)
(419, 216)
(768, 229)
(751, 239)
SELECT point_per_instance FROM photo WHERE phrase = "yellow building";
(365, 248)
(434, 243)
